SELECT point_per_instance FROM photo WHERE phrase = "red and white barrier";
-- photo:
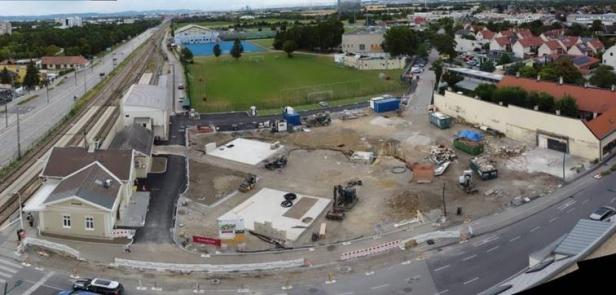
(378, 249)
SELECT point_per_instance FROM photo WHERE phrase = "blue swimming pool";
(206, 49)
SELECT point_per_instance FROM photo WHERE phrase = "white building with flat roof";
(5, 28)
(195, 34)
(147, 106)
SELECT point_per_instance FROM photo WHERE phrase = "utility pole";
(564, 156)
(21, 220)
(444, 205)
(84, 80)
(75, 78)
(47, 90)
(6, 115)
(18, 139)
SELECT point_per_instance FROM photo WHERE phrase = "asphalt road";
(165, 189)
(37, 117)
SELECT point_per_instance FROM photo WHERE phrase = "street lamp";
(21, 220)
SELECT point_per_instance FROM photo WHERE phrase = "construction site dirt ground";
(319, 159)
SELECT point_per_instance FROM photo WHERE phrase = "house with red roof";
(524, 33)
(580, 49)
(500, 44)
(63, 62)
(551, 47)
(552, 34)
(596, 46)
(592, 135)
(485, 36)
(526, 47)
(570, 41)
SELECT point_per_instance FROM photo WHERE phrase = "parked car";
(602, 213)
(100, 286)
(181, 86)
(75, 292)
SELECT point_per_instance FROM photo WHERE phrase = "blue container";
(386, 105)
(293, 119)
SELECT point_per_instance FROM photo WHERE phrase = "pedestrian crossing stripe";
(15, 265)
(7, 269)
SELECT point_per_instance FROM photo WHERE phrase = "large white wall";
(519, 123)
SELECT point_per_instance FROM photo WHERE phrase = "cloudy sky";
(43, 7)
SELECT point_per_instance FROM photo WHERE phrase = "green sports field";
(271, 80)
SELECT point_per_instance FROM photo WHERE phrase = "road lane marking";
(379, 286)
(514, 239)
(442, 267)
(347, 293)
(8, 276)
(39, 283)
(442, 292)
(406, 262)
(585, 201)
(567, 204)
(613, 200)
(536, 228)
(10, 263)
(570, 210)
(492, 249)
(471, 280)
(485, 241)
(469, 257)
(8, 269)
(369, 273)
(552, 219)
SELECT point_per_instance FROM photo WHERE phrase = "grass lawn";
(265, 43)
(278, 81)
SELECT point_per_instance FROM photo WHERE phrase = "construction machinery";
(277, 163)
(345, 198)
(248, 183)
(466, 182)
(318, 120)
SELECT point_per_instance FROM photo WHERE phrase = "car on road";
(602, 213)
(181, 86)
(100, 286)
(416, 70)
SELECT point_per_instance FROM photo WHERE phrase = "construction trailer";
(440, 120)
(385, 104)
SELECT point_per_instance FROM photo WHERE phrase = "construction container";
(484, 167)
(292, 118)
(470, 147)
(386, 105)
(440, 120)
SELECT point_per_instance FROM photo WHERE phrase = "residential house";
(580, 49)
(609, 57)
(485, 36)
(147, 105)
(82, 192)
(524, 33)
(596, 46)
(506, 33)
(63, 62)
(500, 44)
(552, 34)
(465, 41)
(570, 41)
(551, 47)
(140, 140)
(584, 63)
(526, 47)
(18, 71)
(363, 41)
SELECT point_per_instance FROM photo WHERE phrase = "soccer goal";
(322, 95)
(256, 58)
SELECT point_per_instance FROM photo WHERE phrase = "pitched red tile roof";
(487, 34)
(525, 33)
(64, 60)
(603, 125)
(554, 44)
(555, 33)
(588, 99)
(569, 41)
(596, 44)
(503, 41)
(531, 42)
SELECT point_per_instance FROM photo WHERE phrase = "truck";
(484, 167)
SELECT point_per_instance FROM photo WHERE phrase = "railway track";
(110, 95)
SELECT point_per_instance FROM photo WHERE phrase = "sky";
(44, 7)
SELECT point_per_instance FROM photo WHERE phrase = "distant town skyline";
(47, 7)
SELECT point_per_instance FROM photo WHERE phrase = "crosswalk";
(8, 269)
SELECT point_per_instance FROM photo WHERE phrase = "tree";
(400, 41)
(603, 77)
(288, 47)
(32, 79)
(444, 44)
(528, 72)
(597, 26)
(567, 106)
(487, 66)
(437, 67)
(562, 68)
(511, 95)
(504, 59)
(485, 91)
(216, 50)
(237, 49)
(545, 102)
(186, 55)
(5, 77)
(452, 78)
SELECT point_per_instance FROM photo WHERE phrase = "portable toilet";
(292, 118)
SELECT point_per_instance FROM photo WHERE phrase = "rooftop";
(64, 161)
(134, 137)
(151, 96)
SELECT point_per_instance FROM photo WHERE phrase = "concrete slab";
(246, 151)
(264, 206)
(133, 214)
(547, 161)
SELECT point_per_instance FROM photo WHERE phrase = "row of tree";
(402, 40)
(89, 40)
(323, 36)
(520, 97)
(603, 76)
